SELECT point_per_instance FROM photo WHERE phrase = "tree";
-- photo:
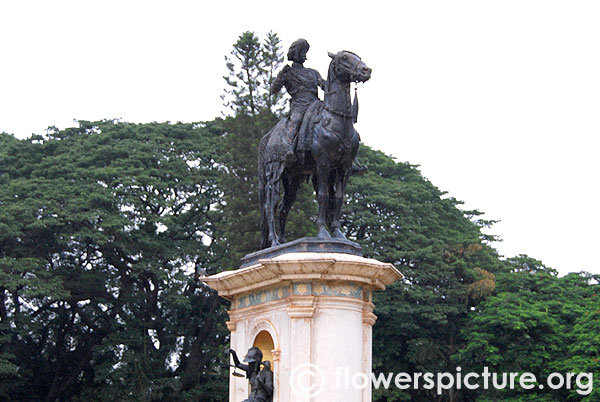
(251, 70)
(273, 58)
(534, 323)
(106, 230)
(399, 217)
(583, 350)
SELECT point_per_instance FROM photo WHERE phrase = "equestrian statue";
(317, 139)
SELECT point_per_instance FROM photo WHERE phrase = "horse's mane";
(330, 75)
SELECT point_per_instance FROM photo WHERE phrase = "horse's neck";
(337, 97)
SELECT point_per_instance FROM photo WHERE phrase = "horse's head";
(348, 67)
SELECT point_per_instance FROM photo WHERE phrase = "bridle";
(353, 68)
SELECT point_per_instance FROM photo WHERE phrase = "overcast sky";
(497, 101)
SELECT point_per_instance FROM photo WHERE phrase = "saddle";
(278, 143)
(310, 119)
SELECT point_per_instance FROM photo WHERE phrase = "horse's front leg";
(338, 200)
(322, 188)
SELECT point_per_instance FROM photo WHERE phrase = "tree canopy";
(105, 230)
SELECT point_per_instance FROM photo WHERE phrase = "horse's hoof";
(323, 234)
(337, 234)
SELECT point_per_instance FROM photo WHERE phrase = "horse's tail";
(264, 227)
(262, 191)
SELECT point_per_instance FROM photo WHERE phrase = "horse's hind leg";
(290, 190)
(322, 188)
(330, 201)
(272, 197)
(338, 200)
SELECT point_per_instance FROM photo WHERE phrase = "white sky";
(498, 101)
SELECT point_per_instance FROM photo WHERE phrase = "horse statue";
(327, 144)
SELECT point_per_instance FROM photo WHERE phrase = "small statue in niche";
(261, 381)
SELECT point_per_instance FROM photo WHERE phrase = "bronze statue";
(261, 381)
(325, 143)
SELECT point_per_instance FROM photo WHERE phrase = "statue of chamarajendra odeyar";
(317, 139)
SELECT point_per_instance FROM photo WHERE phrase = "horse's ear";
(331, 54)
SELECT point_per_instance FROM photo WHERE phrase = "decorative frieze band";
(261, 297)
(315, 288)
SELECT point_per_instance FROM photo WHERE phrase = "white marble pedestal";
(311, 314)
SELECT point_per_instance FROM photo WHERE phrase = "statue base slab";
(304, 245)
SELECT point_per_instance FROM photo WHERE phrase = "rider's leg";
(293, 124)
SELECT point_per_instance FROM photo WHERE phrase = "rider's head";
(298, 51)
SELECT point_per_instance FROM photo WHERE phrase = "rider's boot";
(292, 127)
(357, 168)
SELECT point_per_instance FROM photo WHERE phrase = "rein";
(345, 115)
(354, 113)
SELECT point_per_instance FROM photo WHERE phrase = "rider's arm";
(320, 81)
(236, 361)
(279, 80)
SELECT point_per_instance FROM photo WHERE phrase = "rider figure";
(302, 84)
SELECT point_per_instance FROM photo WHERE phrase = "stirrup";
(358, 170)
(289, 159)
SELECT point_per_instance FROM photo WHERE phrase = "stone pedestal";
(314, 310)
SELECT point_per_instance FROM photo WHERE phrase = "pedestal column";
(318, 310)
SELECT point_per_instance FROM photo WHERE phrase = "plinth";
(311, 313)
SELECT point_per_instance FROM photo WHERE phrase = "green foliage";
(251, 70)
(583, 350)
(106, 229)
(536, 322)
(272, 59)
(399, 217)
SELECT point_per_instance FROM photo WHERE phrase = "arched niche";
(265, 338)
(265, 343)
